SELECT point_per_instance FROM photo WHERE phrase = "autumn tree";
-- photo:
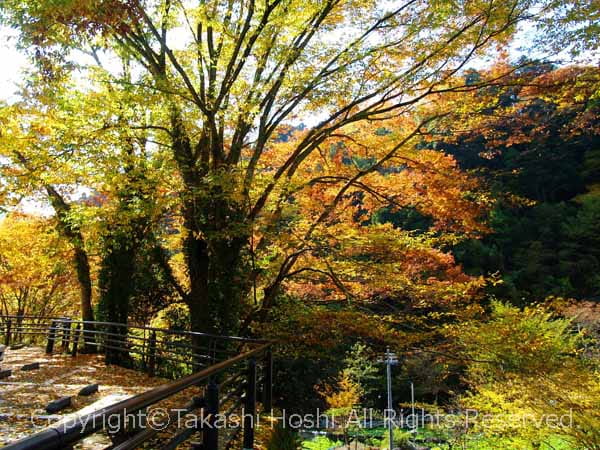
(92, 169)
(342, 401)
(31, 148)
(35, 276)
(231, 74)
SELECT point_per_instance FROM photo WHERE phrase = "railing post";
(51, 337)
(250, 406)
(66, 335)
(152, 354)
(7, 337)
(17, 336)
(210, 434)
(76, 334)
(89, 338)
(268, 383)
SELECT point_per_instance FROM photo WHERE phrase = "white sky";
(11, 64)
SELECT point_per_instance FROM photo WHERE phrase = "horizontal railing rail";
(166, 352)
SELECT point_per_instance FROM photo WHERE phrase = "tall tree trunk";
(215, 267)
(218, 280)
(115, 284)
(216, 236)
(82, 267)
(72, 233)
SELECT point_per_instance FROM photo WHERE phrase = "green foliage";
(320, 443)
(580, 251)
(152, 286)
(591, 165)
(134, 284)
(538, 154)
(284, 438)
(529, 377)
(401, 438)
(528, 341)
(482, 442)
(173, 317)
(547, 249)
(434, 379)
(406, 219)
(573, 26)
(362, 369)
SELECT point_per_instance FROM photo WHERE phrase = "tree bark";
(216, 235)
(115, 283)
(72, 233)
(218, 281)
(82, 266)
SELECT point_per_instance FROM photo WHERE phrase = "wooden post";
(210, 435)
(250, 406)
(66, 334)
(7, 336)
(51, 337)
(152, 354)
(76, 334)
(89, 338)
(268, 383)
(17, 336)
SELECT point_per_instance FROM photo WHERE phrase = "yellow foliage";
(344, 395)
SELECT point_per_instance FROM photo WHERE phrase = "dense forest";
(340, 177)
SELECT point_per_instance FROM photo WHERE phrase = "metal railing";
(226, 367)
(157, 351)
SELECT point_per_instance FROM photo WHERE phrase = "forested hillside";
(538, 153)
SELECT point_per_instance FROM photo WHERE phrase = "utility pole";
(415, 422)
(389, 360)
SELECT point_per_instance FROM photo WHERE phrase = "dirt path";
(25, 394)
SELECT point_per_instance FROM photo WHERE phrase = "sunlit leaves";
(341, 253)
(526, 365)
(36, 277)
